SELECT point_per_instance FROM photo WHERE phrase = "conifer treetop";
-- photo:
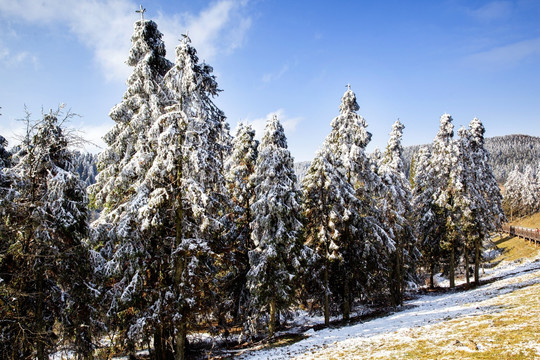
(274, 135)
(348, 102)
(477, 131)
(394, 150)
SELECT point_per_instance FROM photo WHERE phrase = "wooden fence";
(531, 235)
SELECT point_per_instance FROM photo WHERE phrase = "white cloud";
(492, 11)
(219, 28)
(105, 26)
(507, 55)
(289, 124)
(10, 59)
(269, 77)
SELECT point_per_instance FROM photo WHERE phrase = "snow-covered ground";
(422, 311)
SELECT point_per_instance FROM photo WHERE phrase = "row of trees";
(522, 192)
(197, 229)
(456, 198)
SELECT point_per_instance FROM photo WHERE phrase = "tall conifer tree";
(275, 261)
(129, 261)
(364, 239)
(397, 215)
(240, 166)
(46, 258)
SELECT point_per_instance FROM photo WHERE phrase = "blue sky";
(412, 60)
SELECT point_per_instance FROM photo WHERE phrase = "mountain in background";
(505, 153)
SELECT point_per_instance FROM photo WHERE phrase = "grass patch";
(509, 332)
(532, 221)
(514, 248)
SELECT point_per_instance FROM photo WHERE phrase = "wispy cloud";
(10, 59)
(105, 26)
(289, 123)
(507, 55)
(220, 28)
(492, 11)
(269, 77)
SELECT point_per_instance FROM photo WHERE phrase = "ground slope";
(498, 320)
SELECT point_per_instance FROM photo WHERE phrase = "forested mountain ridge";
(505, 153)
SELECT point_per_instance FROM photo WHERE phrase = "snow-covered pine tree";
(187, 194)
(429, 228)
(239, 168)
(365, 241)
(325, 196)
(467, 200)
(529, 199)
(443, 160)
(397, 214)
(275, 260)
(512, 193)
(45, 264)
(489, 215)
(130, 262)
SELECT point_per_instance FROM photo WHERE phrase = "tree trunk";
(452, 268)
(326, 299)
(158, 343)
(40, 324)
(397, 282)
(180, 263)
(272, 322)
(180, 339)
(346, 296)
(477, 262)
(467, 266)
(432, 275)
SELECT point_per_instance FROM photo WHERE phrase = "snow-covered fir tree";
(275, 260)
(363, 243)
(128, 260)
(326, 216)
(488, 215)
(428, 227)
(443, 160)
(529, 191)
(162, 216)
(187, 191)
(239, 168)
(44, 263)
(396, 206)
(467, 200)
(512, 203)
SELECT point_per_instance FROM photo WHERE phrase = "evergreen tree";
(513, 193)
(529, 199)
(364, 243)
(489, 213)
(428, 226)
(239, 168)
(187, 180)
(397, 210)
(163, 227)
(467, 202)
(129, 261)
(275, 261)
(44, 262)
(443, 160)
(325, 195)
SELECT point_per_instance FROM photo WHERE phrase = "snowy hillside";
(416, 317)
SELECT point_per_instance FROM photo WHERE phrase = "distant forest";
(506, 152)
